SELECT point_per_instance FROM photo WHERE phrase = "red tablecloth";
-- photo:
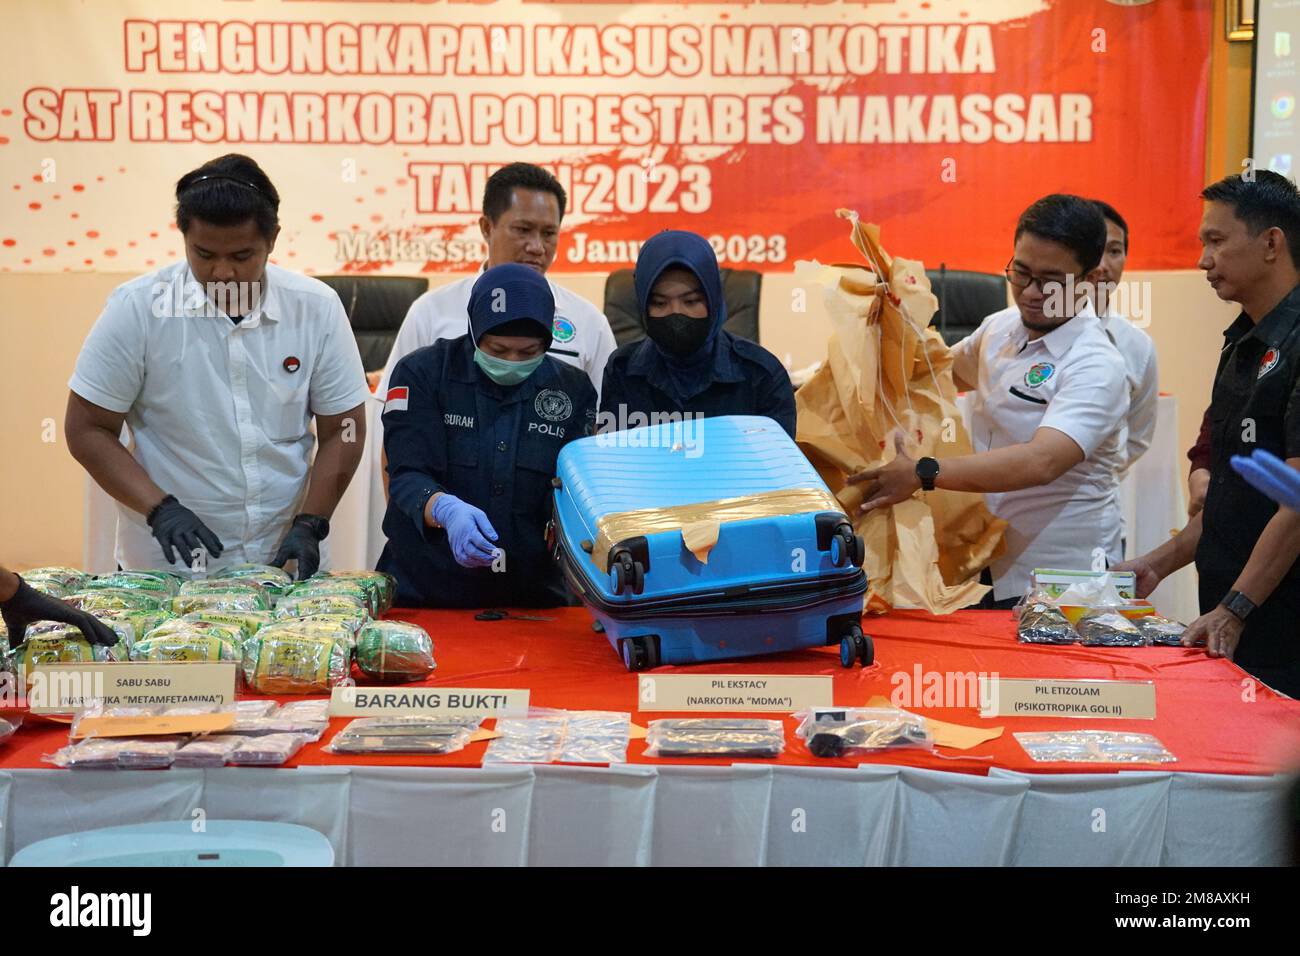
(1203, 714)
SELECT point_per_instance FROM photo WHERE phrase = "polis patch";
(1267, 363)
(1039, 373)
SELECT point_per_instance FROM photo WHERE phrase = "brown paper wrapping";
(700, 524)
(877, 379)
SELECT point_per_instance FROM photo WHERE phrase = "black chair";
(376, 306)
(741, 290)
(965, 300)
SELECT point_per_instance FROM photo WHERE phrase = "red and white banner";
(748, 122)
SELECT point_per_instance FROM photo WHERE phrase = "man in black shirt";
(1244, 546)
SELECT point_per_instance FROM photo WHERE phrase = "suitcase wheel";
(859, 555)
(639, 653)
(627, 575)
(847, 547)
(868, 652)
(848, 653)
(856, 646)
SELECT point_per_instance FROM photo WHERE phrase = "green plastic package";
(281, 661)
(181, 640)
(395, 651)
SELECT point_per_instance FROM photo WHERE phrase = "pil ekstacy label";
(422, 701)
(759, 693)
(1031, 697)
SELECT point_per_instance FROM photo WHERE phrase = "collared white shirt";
(1072, 380)
(1139, 354)
(217, 416)
(582, 336)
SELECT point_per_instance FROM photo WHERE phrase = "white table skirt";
(745, 815)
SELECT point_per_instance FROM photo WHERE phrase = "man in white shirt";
(217, 365)
(1134, 345)
(522, 209)
(1050, 396)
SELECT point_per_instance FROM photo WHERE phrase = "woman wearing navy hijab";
(688, 363)
(472, 428)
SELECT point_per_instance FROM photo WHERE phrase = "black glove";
(29, 605)
(303, 544)
(180, 532)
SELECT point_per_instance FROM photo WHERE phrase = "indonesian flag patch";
(396, 400)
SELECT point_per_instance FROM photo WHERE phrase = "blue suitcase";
(784, 571)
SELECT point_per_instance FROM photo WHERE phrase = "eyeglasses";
(1023, 280)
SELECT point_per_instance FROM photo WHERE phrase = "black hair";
(1071, 221)
(1110, 212)
(500, 185)
(1271, 200)
(227, 191)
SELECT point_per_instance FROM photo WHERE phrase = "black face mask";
(678, 334)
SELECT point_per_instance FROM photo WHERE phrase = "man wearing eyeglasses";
(1051, 395)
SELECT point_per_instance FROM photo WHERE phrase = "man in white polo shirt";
(217, 365)
(522, 209)
(1134, 345)
(1051, 395)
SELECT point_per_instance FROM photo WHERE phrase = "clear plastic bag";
(148, 753)
(559, 736)
(271, 750)
(1094, 746)
(404, 734)
(275, 581)
(92, 754)
(1107, 627)
(247, 623)
(212, 750)
(715, 737)
(189, 640)
(307, 717)
(1042, 622)
(834, 731)
(117, 753)
(306, 605)
(1160, 631)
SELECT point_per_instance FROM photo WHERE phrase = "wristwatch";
(927, 470)
(1238, 605)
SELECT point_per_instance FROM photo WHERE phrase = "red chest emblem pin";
(291, 364)
(1267, 362)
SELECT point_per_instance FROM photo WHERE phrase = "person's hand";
(1219, 631)
(1270, 475)
(1147, 576)
(468, 530)
(889, 484)
(1198, 483)
(29, 605)
(302, 544)
(180, 532)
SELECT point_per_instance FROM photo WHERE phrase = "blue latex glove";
(1271, 475)
(471, 535)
